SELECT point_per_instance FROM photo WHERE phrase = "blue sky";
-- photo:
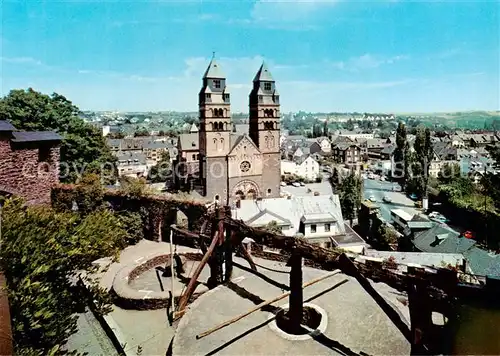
(375, 56)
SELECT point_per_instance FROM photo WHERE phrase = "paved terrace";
(355, 322)
(354, 319)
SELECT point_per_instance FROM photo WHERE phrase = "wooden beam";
(263, 304)
(295, 310)
(247, 256)
(192, 282)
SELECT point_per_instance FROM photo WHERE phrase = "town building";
(346, 151)
(29, 163)
(304, 166)
(316, 218)
(136, 155)
(234, 165)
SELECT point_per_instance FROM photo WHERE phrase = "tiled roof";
(482, 262)
(6, 126)
(213, 71)
(263, 74)
(443, 240)
(189, 141)
(317, 218)
(35, 136)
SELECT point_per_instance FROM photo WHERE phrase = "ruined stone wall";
(22, 174)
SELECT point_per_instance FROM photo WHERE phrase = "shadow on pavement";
(324, 340)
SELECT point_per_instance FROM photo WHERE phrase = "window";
(260, 98)
(208, 96)
(217, 197)
(269, 191)
(226, 96)
(313, 228)
(43, 154)
(267, 86)
(193, 157)
(327, 227)
(245, 166)
(217, 83)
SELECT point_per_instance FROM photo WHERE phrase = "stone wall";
(127, 297)
(22, 174)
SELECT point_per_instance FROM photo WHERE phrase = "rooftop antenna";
(213, 55)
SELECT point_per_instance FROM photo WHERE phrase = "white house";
(354, 135)
(316, 218)
(305, 167)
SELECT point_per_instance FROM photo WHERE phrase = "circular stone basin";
(139, 285)
(314, 322)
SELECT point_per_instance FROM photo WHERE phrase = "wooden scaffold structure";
(220, 236)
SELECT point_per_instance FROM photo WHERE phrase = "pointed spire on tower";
(213, 71)
(263, 74)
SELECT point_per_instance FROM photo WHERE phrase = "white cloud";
(22, 60)
(367, 61)
(287, 10)
(104, 89)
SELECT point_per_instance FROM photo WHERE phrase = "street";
(380, 189)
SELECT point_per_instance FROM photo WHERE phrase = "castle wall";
(24, 175)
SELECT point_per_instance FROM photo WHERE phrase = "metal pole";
(172, 268)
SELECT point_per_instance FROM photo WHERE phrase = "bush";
(43, 254)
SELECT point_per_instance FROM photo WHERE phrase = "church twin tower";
(234, 165)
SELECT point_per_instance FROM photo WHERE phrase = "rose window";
(245, 166)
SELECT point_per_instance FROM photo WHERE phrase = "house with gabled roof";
(29, 163)
(315, 218)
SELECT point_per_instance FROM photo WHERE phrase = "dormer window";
(217, 83)
(208, 96)
(260, 98)
(267, 86)
(226, 96)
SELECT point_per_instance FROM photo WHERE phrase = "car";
(437, 217)
(468, 235)
(296, 184)
(413, 196)
(372, 198)
(302, 184)
(387, 199)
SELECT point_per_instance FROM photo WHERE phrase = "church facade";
(235, 166)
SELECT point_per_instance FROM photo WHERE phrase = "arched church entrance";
(246, 189)
(240, 195)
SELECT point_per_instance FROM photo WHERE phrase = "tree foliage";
(159, 172)
(350, 196)
(83, 146)
(273, 227)
(421, 161)
(43, 254)
(401, 155)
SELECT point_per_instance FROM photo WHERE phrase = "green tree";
(142, 132)
(334, 178)
(400, 155)
(83, 148)
(43, 253)
(449, 172)
(273, 227)
(350, 196)
(159, 172)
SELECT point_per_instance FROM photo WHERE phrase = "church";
(231, 166)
